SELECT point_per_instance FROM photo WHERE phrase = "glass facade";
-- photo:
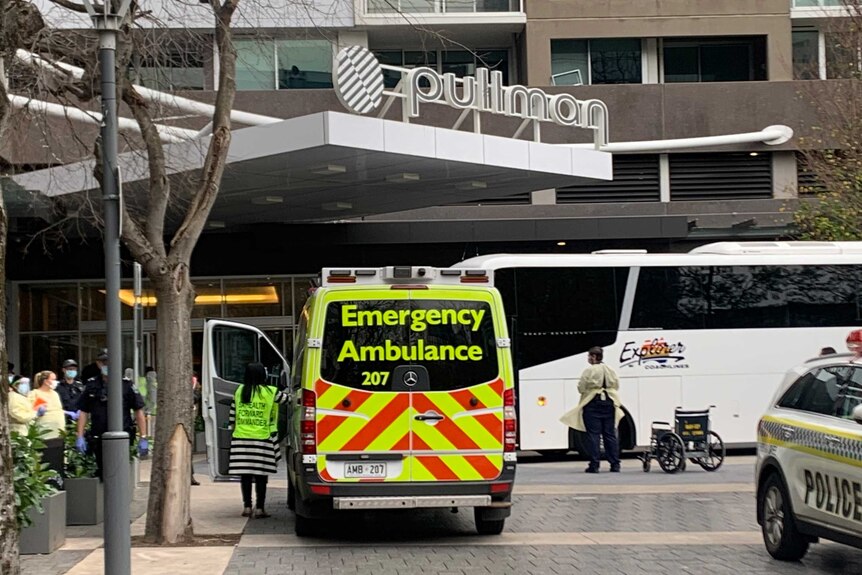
(728, 59)
(459, 62)
(263, 64)
(806, 54)
(57, 321)
(598, 61)
(440, 6)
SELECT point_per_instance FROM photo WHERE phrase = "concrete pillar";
(544, 197)
(784, 183)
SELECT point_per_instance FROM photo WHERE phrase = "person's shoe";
(195, 481)
(591, 470)
(246, 512)
(615, 469)
(261, 514)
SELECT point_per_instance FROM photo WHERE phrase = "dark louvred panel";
(515, 200)
(729, 176)
(807, 181)
(636, 179)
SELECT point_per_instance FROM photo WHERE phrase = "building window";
(731, 59)
(599, 61)
(806, 54)
(817, 3)
(172, 67)
(843, 55)
(459, 62)
(440, 6)
(283, 64)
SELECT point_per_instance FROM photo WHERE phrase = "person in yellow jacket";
(254, 449)
(599, 412)
(54, 420)
(21, 410)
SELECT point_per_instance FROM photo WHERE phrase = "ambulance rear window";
(365, 341)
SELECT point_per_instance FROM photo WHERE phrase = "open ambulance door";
(228, 347)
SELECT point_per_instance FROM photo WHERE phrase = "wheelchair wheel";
(715, 453)
(670, 453)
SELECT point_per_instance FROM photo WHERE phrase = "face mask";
(53, 384)
(71, 374)
(11, 377)
(105, 370)
(24, 388)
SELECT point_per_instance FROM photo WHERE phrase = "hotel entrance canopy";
(332, 166)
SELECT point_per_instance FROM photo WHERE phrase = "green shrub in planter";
(78, 464)
(33, 479)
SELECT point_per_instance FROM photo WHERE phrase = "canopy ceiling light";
(267, 200)
(329, 170)
(402, 178)
(336, 206)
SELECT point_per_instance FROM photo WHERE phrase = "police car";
(809, 456)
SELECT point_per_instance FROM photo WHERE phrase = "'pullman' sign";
(359, 82)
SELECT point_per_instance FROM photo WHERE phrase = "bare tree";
(832, 153)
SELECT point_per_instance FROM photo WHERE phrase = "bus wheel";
(579, 442)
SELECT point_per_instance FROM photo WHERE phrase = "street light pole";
(115, 443)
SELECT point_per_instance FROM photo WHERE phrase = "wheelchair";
(688, 439)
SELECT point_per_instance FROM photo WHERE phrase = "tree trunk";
(168, 511)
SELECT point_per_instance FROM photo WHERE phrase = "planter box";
(47, 533)
(84, 501)
(134, 477)
(200, 442)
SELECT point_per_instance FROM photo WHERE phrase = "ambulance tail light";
(854, 341)
(510, 421)
(308, 423)
(474, 277)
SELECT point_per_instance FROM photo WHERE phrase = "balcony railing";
(441, 6)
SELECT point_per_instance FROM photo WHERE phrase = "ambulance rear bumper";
(423, 502)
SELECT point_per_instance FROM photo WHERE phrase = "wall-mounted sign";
(359, 83)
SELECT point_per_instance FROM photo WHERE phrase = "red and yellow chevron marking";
(384, 422)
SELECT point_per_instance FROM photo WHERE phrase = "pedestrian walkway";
(563, 521)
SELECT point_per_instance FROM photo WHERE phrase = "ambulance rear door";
(227, 348)
(457, 406)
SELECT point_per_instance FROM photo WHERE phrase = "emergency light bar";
(405, 277)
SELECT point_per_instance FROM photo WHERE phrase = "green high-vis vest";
(256, 419)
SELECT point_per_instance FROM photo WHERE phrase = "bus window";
(561, 312)
(739, 297)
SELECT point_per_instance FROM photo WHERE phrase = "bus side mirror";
(857, 414)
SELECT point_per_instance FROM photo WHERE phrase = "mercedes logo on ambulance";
(359, 79)
(410, 378)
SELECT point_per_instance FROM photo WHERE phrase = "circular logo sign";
(359, 79)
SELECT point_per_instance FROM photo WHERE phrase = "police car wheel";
(783, 541)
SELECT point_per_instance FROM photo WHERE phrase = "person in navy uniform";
(93, 407)
(69, 389)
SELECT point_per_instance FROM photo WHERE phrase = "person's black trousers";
(259, 489)
(94, 446)
(599, 421)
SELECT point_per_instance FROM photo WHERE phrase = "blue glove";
(81, 445)
(143, 447)
(73, 415)
(40, 411)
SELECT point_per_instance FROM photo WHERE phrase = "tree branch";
(202, 202)
(70, 5)
(159, 185)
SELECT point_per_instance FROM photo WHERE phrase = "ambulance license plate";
(364, 470)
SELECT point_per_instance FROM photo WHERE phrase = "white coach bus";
(719, 326)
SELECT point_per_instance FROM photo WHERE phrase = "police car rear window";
(365, 342)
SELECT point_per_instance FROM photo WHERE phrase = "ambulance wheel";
(783, 541)
(486, 526)
(304, 526)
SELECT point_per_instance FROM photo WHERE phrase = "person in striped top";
(254, 449)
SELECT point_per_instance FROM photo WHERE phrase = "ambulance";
(402, 395)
